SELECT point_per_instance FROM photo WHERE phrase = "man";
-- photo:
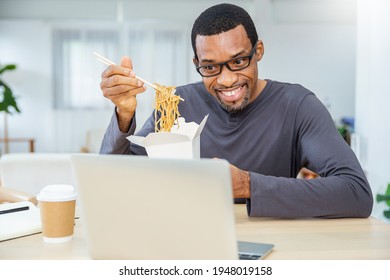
(267, 130)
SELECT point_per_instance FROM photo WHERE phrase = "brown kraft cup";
(57, 205)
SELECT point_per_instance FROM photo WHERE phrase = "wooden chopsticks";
(109, 62)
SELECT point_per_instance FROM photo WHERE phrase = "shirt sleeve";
(115, 141)
(342, 189)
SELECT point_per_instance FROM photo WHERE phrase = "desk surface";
(318, 239)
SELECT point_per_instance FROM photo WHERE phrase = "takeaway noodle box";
(182, 142)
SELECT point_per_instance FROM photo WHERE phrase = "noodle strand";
(166, 105)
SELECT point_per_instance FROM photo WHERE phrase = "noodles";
(166, 108)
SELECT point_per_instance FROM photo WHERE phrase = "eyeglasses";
(235, 64)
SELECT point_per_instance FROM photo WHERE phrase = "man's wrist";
(242, 183)
(246, 180)
(124, 119)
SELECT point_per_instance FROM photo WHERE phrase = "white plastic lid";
(57, 239)
(53, 193)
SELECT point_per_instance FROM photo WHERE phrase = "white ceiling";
(105, 9)
(281, 11)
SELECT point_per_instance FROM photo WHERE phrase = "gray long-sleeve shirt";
(284, 129)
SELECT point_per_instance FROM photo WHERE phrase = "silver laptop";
(135, 207)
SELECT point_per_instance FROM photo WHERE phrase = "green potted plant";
(386, 198)
(7, 101)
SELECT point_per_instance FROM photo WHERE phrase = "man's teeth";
(230, 93)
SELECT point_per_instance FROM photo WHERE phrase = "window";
(160, 53)
(76, 71)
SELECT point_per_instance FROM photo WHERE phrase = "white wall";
(311, 43)
(373, 94)
(27, 43)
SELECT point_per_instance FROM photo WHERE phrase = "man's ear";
(195, 61)
(259, 50)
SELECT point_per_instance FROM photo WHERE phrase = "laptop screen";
(135, 207)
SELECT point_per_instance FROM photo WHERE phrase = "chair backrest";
(30, 172)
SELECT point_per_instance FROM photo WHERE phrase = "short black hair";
(221, 18)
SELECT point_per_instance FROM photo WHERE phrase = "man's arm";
(240, 182)
(114, 140)
(119, 85)
(342, 189)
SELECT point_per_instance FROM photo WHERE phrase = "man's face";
(233, 89)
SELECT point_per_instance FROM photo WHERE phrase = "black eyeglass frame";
(226, 63)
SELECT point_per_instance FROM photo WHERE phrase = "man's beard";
(235, 108)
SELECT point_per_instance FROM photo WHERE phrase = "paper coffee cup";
(57, 205)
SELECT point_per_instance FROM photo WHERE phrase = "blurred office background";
(339, 49)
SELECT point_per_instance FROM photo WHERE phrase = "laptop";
(135, 207)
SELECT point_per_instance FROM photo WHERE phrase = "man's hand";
(121, 87)
(241, 182)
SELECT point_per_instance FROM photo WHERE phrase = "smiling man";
(267, 130)
(234, 91)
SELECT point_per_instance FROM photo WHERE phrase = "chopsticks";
(109, 62)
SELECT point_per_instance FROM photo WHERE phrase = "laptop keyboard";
(243, 256)
(253, 250)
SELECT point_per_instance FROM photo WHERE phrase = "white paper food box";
(182, 142)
